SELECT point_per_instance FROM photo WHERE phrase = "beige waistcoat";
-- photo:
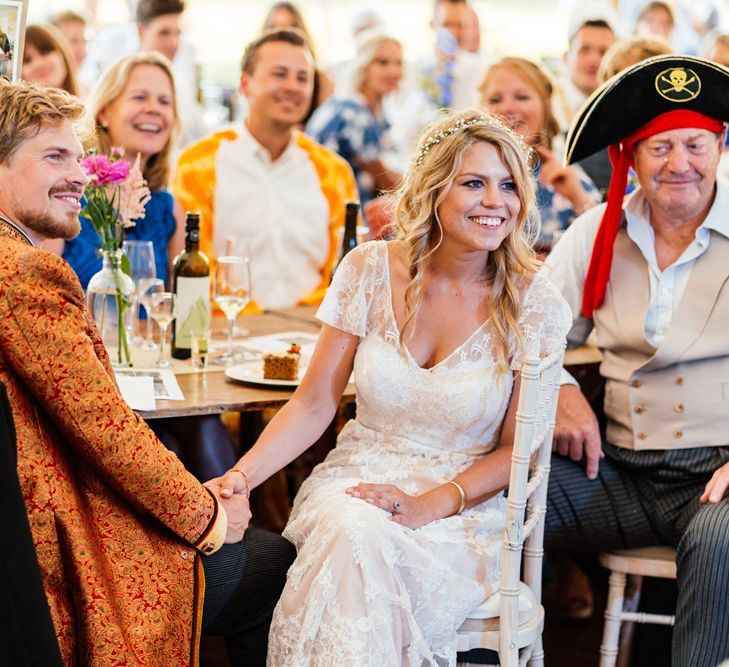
(676, 396)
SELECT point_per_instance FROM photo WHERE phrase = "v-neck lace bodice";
(464, 395)
(366, 591)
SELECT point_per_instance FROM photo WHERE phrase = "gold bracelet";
(462, 493)
(245, 477)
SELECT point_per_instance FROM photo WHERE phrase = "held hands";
(236, 508)
(410, 511)
(576, 432)
(717, 486)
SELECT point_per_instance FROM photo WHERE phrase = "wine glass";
(142, 267)
(146, 289)
(237, 246)
(162, 311)
(232, 292)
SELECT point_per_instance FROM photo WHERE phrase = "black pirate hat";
(635, 96)
(654, 96)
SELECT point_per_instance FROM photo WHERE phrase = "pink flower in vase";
(103, 171)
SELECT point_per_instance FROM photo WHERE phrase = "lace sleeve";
(545, 320)
(346, 302)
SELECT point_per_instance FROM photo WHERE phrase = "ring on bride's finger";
(395, 505)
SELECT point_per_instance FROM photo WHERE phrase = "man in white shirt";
(650, 276)
(268, 183)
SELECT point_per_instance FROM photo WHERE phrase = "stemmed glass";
(146, 290)
(237, 246)
(162, 311)
(142, 268)
(232, 292)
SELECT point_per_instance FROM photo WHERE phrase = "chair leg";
(632, 601)
(536, 659)
(611, 631)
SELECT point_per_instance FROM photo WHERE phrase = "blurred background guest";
(134, 106)
(656, 19)
(47, 59)
(287, 15)
(363, 21)
(630, 51)
(471, 34)
(157, 27)
(6, 52)
(73, 26)
(716, 48)
(593, 28)
(354, 126)
(521, 91)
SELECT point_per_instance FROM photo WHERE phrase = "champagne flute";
(232, 292)
(162, 311)
(146, 289)
(142, 267)
(237, 246)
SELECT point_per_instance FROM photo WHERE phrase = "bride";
(398, 531)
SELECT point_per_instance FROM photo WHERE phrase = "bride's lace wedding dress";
(364, 590)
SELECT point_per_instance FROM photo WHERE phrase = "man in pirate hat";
(651, 274)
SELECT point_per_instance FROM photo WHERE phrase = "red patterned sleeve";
(52, 344)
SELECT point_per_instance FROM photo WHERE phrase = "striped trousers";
(243, 583)
(644, 498)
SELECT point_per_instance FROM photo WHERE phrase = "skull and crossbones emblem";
(678, 84)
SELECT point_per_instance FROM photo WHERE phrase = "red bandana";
(621, 157)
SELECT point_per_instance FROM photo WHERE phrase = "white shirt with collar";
(279, 207)
(567, 264)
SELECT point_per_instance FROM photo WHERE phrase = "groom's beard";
(46, 222)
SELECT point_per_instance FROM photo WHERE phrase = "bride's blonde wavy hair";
(425, 186)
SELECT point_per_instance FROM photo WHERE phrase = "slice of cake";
(282, 365)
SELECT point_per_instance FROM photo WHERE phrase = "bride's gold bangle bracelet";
(462, 493)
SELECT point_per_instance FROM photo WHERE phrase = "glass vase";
(109, 297)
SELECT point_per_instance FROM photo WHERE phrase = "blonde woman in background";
(520, 91)
(134, 106)
(399, 530)
(355, 126)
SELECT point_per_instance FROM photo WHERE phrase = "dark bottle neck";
(192, 239)
(350, 227)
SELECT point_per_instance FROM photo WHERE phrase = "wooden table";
(212, 392)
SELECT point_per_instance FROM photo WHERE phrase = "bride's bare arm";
(304, 418)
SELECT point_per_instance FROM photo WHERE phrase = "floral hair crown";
(462, 124)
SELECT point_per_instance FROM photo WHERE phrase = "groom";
(136, 555)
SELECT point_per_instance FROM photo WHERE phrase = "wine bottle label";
(193, 309)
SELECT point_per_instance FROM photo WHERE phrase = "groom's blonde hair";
(27, 108)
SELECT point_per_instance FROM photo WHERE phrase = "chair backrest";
(527, 495)
(27, 635)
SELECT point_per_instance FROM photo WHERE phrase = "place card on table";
(163, 382)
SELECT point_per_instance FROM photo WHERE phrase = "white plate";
(251, 372)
